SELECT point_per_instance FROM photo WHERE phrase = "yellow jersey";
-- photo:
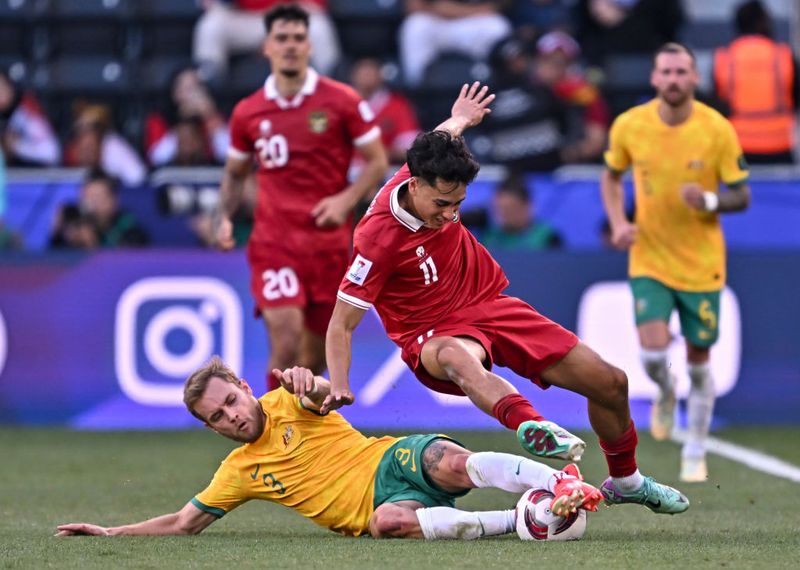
(677, 245)
(320, 466)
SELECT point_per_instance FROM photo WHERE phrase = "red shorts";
(512, 332)
(280, 278)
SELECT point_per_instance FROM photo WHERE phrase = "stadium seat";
(186, 10)
(367, 27)
(89, 27)
(155, 75)
(247, 73)
(15, 19)
(88, 75)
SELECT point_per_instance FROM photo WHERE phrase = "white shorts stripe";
(355, 301)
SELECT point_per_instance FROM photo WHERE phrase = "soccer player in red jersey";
(301, 128)
(439, 295)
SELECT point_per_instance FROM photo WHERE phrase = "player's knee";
(617, 385)
(453, 357)
(389, 521)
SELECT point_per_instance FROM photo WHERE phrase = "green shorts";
(698, 312)
(400, 476)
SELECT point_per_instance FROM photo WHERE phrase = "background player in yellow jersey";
(326, 470)
(680, 150)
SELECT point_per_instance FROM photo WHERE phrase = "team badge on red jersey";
(318, 121)
(359, 270)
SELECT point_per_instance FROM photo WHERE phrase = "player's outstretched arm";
(189, 520)
(469, 109)
(338, 353)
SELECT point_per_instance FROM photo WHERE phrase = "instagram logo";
(166, 328)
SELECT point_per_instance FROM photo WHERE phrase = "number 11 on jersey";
(429, 271)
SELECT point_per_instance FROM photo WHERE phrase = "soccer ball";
(535, 520)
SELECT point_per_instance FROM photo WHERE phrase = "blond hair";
(196, 384)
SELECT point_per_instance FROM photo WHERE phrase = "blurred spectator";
(532, 18)
(758, 79)
(608, 27)
(393, 112)
(189, 130)
(237, 26)
(556, 66)
(26, 137)
(433, 27)
(515, 224)
(95, 144)
(525, 130)
(96, 220)
(8, 239)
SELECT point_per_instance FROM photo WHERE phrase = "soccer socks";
(509, 472)
(655, 364)
(621, 454)
(446, 522)
(272, 382)
(514, 409)
(700, 408)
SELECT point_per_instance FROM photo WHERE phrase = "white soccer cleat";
(694, 470)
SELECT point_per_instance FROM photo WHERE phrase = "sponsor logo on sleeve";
(359, 270)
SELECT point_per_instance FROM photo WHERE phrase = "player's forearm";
(165, 525)
(368, 180)
(338, 345)
(230, 192)
(734, 200)
(613, 197)
(454, 125)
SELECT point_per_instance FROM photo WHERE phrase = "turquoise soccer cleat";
(658, 498)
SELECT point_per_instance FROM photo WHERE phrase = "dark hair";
(99, 175)
(288, 12)
(515, 185)
(752, 18)
(438, 154)
(674, 47)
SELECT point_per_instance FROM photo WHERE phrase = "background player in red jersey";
(302, 129)
(439, 295)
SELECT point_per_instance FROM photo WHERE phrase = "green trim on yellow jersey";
(738, 183)
(219, 513)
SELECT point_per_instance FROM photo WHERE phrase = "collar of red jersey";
(404, 217)
(310, 85)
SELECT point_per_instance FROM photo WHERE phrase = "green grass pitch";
(739, 519)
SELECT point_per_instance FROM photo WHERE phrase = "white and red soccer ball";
(535, 520)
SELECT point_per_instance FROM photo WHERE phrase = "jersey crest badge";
(264, 127)
(288, 435)
(359, 270)
(420, 251)
(318, 121)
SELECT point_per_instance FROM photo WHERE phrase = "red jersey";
(303, 148)
(415, 276)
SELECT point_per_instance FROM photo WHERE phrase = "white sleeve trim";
(355, 301)
(371, 135)
(237, 154)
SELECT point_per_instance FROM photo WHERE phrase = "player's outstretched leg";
(546, 439)
(656, 496)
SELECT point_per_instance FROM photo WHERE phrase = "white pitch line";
(750, 457)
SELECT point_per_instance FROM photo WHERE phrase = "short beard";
(290, 73)
(676, 103)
